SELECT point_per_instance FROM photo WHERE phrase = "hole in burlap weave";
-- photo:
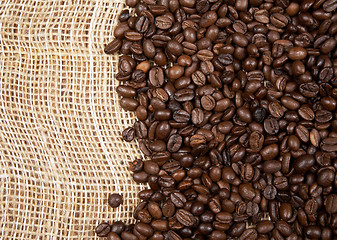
(61, 153)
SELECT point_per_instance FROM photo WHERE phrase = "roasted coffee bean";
(264, 226)
(329, 6)
(156, 77)
(174, 143)
(115, 200)
(113, 236)
(113, 46)
(128, 134)
(163, 22)
(279, 20)
(270, 192)
(330, 204)
(185, 218)
(262, 16)
(103, 229)
(275, 109)
(306, 113)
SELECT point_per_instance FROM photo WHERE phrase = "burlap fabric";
(61, 153)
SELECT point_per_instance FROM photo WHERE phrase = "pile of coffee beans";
(236, 106)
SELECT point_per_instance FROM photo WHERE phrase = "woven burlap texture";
(61, 151)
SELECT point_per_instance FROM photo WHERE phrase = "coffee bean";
(163, 22)
(129, 236)
(309, 89)
(279, 20)
(208, 19)
(113, 46)
(329, 144)
(128, 134)
(103, 229)
(199, 78)
(249, 234)
(264, 226)
(178, 199)
(184, 95)
(115, 200)
(133, 36)
(185, 218)
(329, 6)
(205, 55)
(275, 109)
(247, 191)
(270, 192)
(303, 163)
(262, 16)
(306, 113)
(330, 204)
(240, 27)
(323, 116)
(113, 236)
(256, 140)
(156, 77)
(173, 235)
(129, 104)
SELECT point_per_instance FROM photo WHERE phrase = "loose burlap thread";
(61, 151)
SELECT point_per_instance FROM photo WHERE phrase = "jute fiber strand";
(61, 151)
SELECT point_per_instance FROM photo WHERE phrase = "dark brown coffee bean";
(262, 16)
(330, 5)
(168, 208)
(113, 46)
(247, 191)
(256, 140)
(156, 77)
(323, 116)
(306, 113)
(173, 235)
(128, 134)
(250, 234)
(142, 24)
(103, 229)
(208, 102)
(128, 236)
(184, 95)
(279, 20)
(205, 55)
(329, 144)
(163, 22)
(115, 200)
(199, 78)
(330, 204)
(270, 192)
(113, 236)
(197, 116)
(208, 19)
(303, 163)
(302, 133)
(185, 218)
(129, 104)
(309, 89)
(133, 36)
(271, 166)
(240, 27)
(174, 143)
(275, 109)
(178, 199)
(264, 226)
(214, 205)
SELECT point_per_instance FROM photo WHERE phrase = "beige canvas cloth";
(61, 153)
